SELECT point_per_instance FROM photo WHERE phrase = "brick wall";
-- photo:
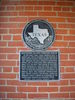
(14, 15)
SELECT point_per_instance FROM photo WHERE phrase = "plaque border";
(40, 80)
(48, 23)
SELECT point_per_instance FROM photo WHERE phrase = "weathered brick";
(16, 95)
(67, 89)
(2, 95)
(38, 95)
(7, 50)
(16, 83)
(59, 95)
(7, 63)
(48, 89)
(7, 76)
(37, 83)
(47, 13)
(7, 69)
(27, 13)
(72, 82)
(7, 89)
(27, 89)
(68, 76)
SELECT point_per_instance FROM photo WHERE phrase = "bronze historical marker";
(39, 64)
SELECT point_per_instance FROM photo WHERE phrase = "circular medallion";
(38, 34)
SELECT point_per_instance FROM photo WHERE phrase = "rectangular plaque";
(38, 65)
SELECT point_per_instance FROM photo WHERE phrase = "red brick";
(37, 83)
(68, 76)
(51, 19)
(72, 95)
(8, 25)
(15, 31)
(67, 89)
(37, 8)
(7, 63)
(2, 82)
(20, 7)
(72, 44)
(72, 32)
(53, 83)
(15, 69)
(2, 44)
(11, 8)
(3, 31)
(59, 37)
(17, 19)
(7, 50)
(71, 20)
(57, 8)
(72, 56)
(17, 37)
(6, 37)
(7, 89)
(54, 25)
(65, 3)
(16, 44)
(61, 31)
(2, 8)
(28, 2)
(10, 76)
(73, 9)
(60, 44)
(72, 82)
(26, 89)
(61, 82)
(69, 69)
(2, 95)
(46, 3)
(66, 25)
(7, 2)
(38, 95)
(66, 14)
(69, 38)
(48, 89)
(16, 83)
(62, 69)
(65, 9)
(3, 19)
(47, 13)
(7, 69)
(29, 8)
(8, 13)
(59, 95)
(67, 63)
(21, 25)
(16, 95)
(63, 56)
(67, 50)
(47, 8)
(13, 56)
(27, 13)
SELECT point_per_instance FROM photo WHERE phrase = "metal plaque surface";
(42, 66)
(38, 34)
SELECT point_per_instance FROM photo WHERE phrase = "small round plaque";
(38, 34)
